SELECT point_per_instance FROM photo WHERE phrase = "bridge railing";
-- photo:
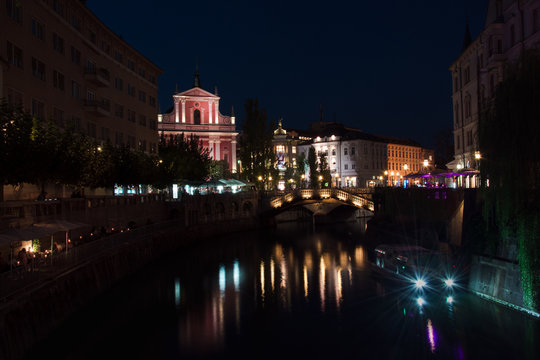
(340, 194)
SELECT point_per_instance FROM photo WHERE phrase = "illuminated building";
(358, 159)
(60, 62)
(510, 27)
(196, 112)
(285, 149)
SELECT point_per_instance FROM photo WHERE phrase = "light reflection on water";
(250, 294)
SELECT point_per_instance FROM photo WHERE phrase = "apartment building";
(511, 26)
(61, 63)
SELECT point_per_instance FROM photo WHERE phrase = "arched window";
(197, 117)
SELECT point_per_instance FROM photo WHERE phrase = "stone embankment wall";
(29, 316)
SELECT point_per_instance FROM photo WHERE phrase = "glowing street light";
(405, 167)
(477, 155)
(260, 178)
(426, 163)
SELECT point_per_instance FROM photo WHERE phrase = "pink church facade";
(196, 112)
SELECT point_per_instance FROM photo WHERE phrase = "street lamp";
(477, 155)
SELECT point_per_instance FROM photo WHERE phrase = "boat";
(423, 269)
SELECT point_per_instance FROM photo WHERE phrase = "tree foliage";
(38, 152)
(324, 170)
(509, 136)
(256, 150)
(313, 169)
(183, 159)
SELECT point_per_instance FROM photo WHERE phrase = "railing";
(339, 194)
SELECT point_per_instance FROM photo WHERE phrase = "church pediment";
(198, 92)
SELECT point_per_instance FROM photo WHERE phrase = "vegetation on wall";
(509, 135)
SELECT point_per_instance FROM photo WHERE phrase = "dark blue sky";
(381, 66)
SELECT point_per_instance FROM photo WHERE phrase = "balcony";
(100, 108)
(99, 77)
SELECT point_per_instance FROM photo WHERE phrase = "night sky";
(380, 66)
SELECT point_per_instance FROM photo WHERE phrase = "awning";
(25, 234)
(61, 225)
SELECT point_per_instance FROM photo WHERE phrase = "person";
(23, 258)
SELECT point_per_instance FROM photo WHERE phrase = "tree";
(256, 149)
(509, 136)
(313, 172)
(324, 171)
(183, 158)
(219, 169)
(300, 170)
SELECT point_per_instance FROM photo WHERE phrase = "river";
(293, 292)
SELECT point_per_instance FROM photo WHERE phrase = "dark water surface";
(285, 293)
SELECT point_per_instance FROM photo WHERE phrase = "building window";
(346, 166)
(499, 46)
(38, 30)
(90, 95)
(353, 166)
(197, 117)
(14, 10)
(118, 56)
(14, 55)
(58, 80)
(38, 109)
(58, 116)
(58, 7)
(512, 35)
(294, 149)
(75, 56)
(142, 145)
(467, 75)
(118, 84)
(75, 90)
(152, 78)
(142, 120)
(91, 129)
(92, 35)
(142, 96)
(353, 150)
(152, 124)
(38, 69)
(75, 123)
(345, 152)
(14, 98)
(467, 106)
(131, 65)
(142, 72)
(131, 90)
(131, 116)
(118, 111)
(152, 101)
(458, 143)
(105, 46)
(58, 43)
(76, 22)
(333, 152)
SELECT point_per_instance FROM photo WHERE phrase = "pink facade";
(196, 112)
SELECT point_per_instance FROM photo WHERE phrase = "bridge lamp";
(260, 178)
(270, 178)
(405, 167)
(477, 155)
(420, 301)
(385, 173)
(392, 173)
(426, 163)
(320, 177)
(303, 176)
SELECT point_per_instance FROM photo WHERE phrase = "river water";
(293, 292)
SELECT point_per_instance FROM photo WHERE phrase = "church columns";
(183, 110)
(210, 111)
(211, 147)
(176, 110)
(217, 111)
(233, 155)
(218, 149)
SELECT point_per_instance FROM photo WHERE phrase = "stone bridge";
(320, 201)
